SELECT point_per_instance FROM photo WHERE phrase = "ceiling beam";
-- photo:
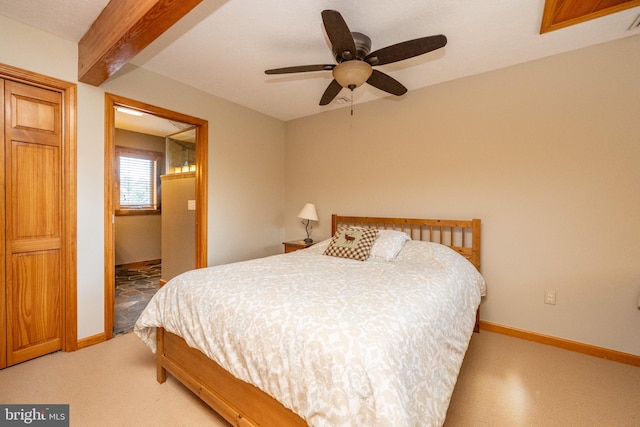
(121, 31)
(563, 13)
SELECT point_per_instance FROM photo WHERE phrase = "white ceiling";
(153, 125)
(223, 47)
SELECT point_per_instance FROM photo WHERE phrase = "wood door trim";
(560, 14)
(3, 271)
(69, 192)
(202, 160)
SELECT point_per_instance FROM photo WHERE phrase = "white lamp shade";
(309, 212)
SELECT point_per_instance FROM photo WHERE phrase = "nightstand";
(295, 245)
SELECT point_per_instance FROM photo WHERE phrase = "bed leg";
(476, 328)
(161, 372)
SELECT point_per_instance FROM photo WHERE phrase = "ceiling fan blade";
(331, 92)
(342, 43)
(386, 83)
(301, 69)
(406, 50)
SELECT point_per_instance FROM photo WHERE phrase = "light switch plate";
(191, 205)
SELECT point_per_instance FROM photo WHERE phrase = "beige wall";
(178, 224)
(137, 238)
(546, 153)
(246, 161)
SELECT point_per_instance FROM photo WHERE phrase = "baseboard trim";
(139, 264)
(591, 350)
(92, 340)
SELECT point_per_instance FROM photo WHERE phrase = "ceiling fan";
(355, 62)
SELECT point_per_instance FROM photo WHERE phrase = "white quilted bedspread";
(340, 342)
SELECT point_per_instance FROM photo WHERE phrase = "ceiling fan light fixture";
(352, 74)
(352, 52)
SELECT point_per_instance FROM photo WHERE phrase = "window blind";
(137, 183)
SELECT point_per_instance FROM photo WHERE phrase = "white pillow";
(388, 244)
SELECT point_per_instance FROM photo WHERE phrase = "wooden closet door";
(3, 292)
(33, 221)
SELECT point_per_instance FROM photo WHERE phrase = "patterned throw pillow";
(354, 243)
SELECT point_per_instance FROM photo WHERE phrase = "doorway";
(201, 161)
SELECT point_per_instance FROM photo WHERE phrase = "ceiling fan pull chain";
(352, 102)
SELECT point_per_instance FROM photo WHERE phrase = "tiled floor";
(134, 289)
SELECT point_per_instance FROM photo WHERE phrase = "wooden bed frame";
(243, 404)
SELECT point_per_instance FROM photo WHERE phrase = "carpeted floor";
(504, 381)
(134, 288)
(108, 384)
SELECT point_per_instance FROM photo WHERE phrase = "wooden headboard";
(463, 236)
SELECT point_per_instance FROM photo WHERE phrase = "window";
(137, 181)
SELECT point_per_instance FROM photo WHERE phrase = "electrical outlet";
(550, 297)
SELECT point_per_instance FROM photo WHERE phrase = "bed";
(306, 339)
